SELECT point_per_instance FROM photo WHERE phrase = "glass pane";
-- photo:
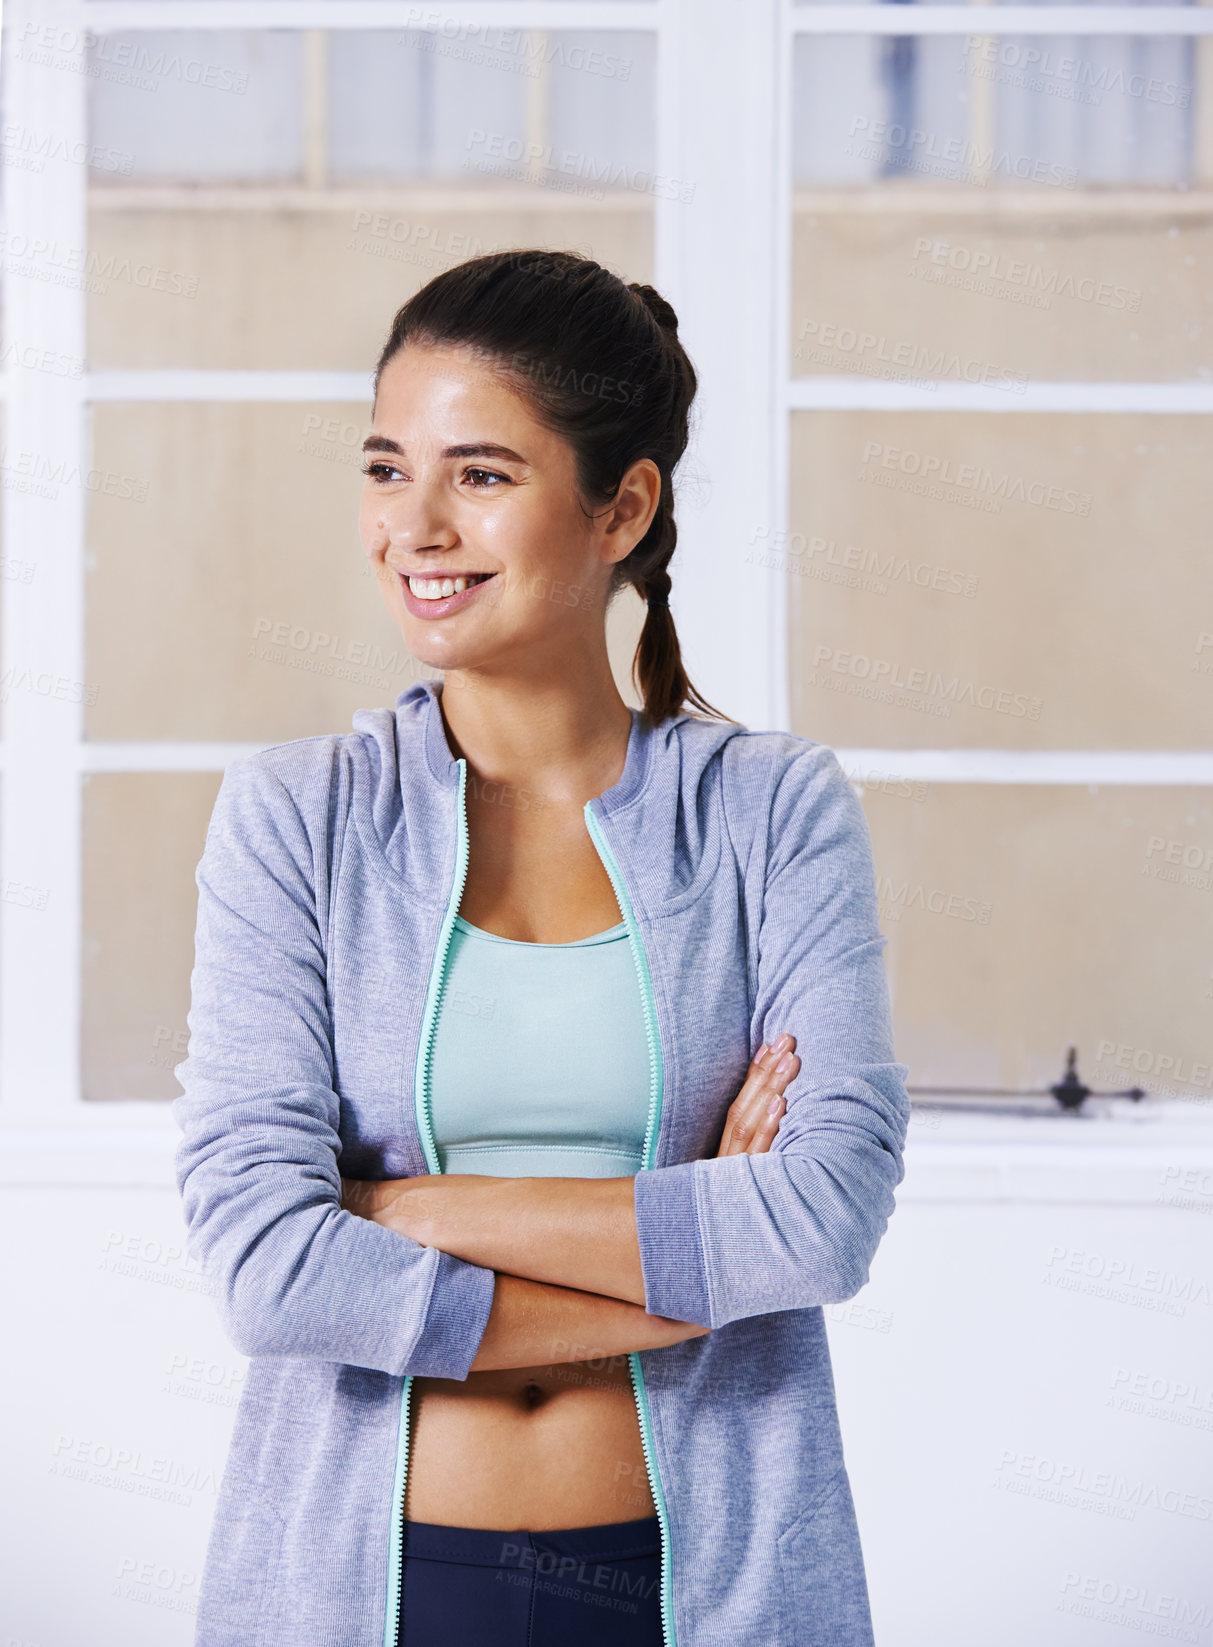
(1018, 582)
(959, 218)
(206, 105)
(277, 210)
(1023, 919)
(221, 606)
(143, 836)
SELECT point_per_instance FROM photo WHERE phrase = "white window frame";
(739, 225)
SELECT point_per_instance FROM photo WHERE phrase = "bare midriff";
(547, 1447)
(538, 1448)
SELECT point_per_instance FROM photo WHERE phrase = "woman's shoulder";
(760, 766)
(780, 793)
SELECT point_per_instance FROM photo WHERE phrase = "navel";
(533, 1395)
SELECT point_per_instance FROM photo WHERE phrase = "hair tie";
(659, 602)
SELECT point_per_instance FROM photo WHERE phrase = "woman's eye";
(485, 474)
(381, 471)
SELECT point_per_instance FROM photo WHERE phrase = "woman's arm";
(533, 1325)
(570, 1232)
(257, 1164)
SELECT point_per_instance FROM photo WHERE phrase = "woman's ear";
(631, 514)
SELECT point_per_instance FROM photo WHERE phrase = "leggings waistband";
(488, 1547)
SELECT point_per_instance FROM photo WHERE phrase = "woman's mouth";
(434, 597)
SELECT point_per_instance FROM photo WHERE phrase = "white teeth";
(438, 588)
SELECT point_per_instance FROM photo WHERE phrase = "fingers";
(755, 1114)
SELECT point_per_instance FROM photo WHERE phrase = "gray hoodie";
(328, 887)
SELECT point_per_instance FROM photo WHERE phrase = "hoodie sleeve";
(257, 1164)
(746, 1235)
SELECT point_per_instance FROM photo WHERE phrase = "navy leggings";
(471, 1587)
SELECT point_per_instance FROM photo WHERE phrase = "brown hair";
(599, 363)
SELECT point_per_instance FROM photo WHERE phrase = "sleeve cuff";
(458, 1312)
(671, 1248)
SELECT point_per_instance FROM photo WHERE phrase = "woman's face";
(471, 519)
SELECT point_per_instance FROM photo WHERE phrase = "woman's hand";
(407, 1204)
(755, 1113)
(577, 1233)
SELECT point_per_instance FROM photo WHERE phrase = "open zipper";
(656, 1090)
(421, 1105)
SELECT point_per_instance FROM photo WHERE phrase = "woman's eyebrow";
(484, 449)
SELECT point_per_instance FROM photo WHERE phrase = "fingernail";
(774, 1106)
(784, 1066)
(761, 1053)
(783, 1041)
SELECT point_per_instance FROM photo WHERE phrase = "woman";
(576, 1389)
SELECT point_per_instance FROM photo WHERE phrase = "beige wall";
(999, 285)
(1056, 598)
(143, 836)
(1025, 918)
(245, 282)
(1013, 619)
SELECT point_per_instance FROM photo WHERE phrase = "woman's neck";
(568, 738)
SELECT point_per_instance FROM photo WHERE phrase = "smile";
(438, 588)
(437, 597)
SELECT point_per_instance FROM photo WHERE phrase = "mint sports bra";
(540, 1062)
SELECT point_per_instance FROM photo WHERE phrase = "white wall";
(1013, 1306)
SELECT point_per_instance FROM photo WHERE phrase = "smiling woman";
(622, 970)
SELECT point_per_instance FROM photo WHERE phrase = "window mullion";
(717, 240)
(44, 502)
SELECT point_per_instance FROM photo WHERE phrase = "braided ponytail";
(657, 666)
(601, 364)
